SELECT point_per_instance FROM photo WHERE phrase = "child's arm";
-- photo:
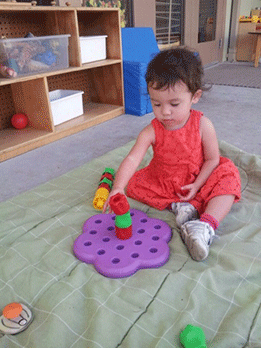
(211, 158)
(131, 162)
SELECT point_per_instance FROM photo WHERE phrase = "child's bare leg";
(219, 206)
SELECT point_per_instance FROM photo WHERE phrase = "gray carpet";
(237, 74)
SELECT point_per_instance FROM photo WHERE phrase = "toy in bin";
(21, 56)
(104, 188)
(5, 71)
(16, 318)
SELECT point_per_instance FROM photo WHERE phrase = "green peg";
(106, 181)
(109, 170)
(123, 221)
(193, 337)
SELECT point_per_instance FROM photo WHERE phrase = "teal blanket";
(75, 306)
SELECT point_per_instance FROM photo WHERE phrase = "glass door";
(207, 20)
(205, 26)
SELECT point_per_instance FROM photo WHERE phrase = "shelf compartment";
(31, 97)
(15, 142)
(17, 24)
(100, 85)
(94, 113)
(102, 23)
(102, 98)
(107, 84)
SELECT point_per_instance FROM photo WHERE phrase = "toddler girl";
(186, 173)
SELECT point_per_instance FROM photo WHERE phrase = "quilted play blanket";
(74, 306)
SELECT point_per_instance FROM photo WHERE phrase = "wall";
(144, 13)
(247, 5)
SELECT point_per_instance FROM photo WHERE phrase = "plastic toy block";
(100, 198)
(107, 176)
(106, 186)
(16, 318)
(123, 233)
(106, 181)
(109, 170)
(123, 221)
(115, 258)
(193, 337)
(119, 204)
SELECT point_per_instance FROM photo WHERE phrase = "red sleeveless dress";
(177, 160)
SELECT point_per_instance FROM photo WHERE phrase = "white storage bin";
(37, 54)
(65, 105)
(93, 48)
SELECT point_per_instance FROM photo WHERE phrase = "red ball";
(19, 121)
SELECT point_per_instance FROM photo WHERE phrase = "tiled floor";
(235, 112)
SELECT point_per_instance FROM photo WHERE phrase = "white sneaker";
(197, 235)
(184, 212)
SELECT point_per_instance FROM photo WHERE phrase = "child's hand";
(106, 204)
(189, 192)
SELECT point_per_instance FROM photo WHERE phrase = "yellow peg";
(100, 198)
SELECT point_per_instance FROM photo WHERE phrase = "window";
(207, 20)
(169, 21)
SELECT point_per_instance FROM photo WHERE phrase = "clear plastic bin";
(35, 54)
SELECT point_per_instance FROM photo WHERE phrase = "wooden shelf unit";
(101, 81)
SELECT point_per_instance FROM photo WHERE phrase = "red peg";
(123, 233)
(119, 204)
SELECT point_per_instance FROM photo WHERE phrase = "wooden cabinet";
(245, 42)
(101, 81)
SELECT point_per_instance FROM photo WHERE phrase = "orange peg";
(12, 310)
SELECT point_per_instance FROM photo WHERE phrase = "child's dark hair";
(173, 65)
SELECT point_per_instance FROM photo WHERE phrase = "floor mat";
(234, 74)
(74, 306)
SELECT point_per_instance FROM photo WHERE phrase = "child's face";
(172, 106)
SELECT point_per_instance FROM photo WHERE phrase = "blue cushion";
(138, 44)
(137, 100)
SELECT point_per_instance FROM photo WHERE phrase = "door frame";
(233, 30)
(210, 51)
